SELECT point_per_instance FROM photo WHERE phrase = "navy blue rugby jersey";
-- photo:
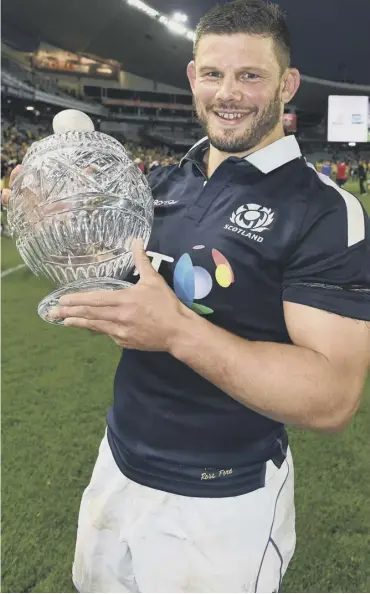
(263, 229)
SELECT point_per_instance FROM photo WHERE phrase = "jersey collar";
(266, 159)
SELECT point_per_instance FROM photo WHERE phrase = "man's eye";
(250, 76)
(213, 74)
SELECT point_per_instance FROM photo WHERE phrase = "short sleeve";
(329, 266)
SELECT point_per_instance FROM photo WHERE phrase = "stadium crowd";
(14, 144)
(16, 139)
(148, 158)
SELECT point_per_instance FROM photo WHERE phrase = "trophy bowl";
(75, 209)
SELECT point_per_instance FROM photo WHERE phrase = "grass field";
(56, 389)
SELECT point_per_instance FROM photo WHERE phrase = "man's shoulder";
(325, 195)
(332, 217)
(161, 173)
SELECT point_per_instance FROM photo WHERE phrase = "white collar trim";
(275, 155)
(266, 159)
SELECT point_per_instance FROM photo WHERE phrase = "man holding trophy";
(251, 312)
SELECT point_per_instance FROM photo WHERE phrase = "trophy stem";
(80, 286)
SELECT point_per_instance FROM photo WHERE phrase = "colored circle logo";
(195, 282)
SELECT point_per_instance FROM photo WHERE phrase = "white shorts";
(133, 538)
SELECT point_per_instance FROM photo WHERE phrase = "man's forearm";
(287, 383)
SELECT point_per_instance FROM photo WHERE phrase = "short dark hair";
(253, 17)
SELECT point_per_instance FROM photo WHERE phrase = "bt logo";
(195, 282)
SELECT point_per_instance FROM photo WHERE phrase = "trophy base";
(81, 286)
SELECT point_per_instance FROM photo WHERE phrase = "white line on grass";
(11, 270)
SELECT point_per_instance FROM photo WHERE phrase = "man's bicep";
(343, 341)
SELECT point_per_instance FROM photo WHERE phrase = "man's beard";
(231, 143)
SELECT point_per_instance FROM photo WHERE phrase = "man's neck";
(213, 157)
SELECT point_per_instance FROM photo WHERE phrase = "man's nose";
(229, 90)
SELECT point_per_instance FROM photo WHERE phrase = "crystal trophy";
(76, 208)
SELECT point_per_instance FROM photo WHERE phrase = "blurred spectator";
(362, 175)
(154, 165)
(353, 171)
(326, 168)
(140, 164)
(341, 175)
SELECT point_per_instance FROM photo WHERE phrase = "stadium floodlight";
(144, 8)
(180, 17)
(175, 23)
(172, 26)
(30, 108)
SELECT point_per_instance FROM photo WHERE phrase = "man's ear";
(291, 84)
(190, 71)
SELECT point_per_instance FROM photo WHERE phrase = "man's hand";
(6, 194)
(145, 317)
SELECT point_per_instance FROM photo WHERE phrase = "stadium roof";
(330, 39)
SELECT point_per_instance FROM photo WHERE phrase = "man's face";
(236, 83)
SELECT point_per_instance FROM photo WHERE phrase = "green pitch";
(56, 390)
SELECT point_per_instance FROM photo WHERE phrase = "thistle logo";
(195, 282)
(251, 217)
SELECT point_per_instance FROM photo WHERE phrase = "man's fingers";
(14, 174)
(82, 311)
(5, 197)
(109, 328)
(93, 298)
(141, 260)
(6, 194)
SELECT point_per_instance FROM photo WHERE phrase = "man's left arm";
(315, 383)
